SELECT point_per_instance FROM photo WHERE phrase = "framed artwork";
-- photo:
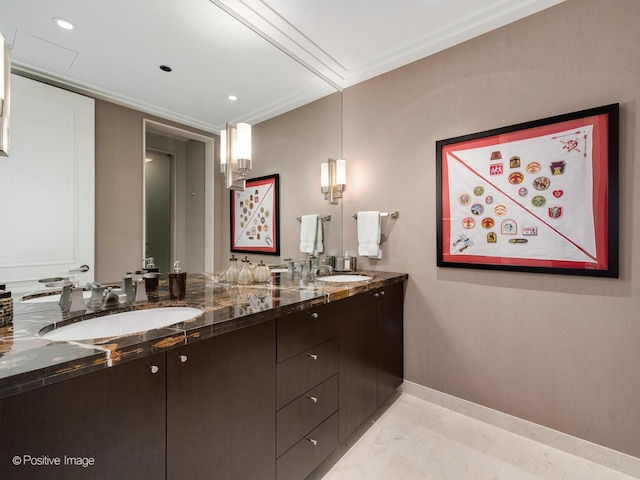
(540, 196)
(255, 216)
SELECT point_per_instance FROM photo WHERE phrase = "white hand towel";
(319, 238)
(369, 235)
(308, 233)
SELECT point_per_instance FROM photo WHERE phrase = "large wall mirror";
(296, 114)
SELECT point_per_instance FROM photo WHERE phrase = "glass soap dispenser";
(245, 277)
(231, 275)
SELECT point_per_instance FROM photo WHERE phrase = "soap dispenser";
(231, 275)
(6, 307)
(245, 277)
(177, 283)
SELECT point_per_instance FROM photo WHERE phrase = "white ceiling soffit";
(118, 45)
(349, 41)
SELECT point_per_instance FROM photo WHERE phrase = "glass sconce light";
(5, 80)
(333, 179)
(235, 154)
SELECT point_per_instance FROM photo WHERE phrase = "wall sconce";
(5, 95)
(235, 154)
(333, 179)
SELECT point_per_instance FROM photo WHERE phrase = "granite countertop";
(29, 361)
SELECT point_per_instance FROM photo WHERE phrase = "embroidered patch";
(538, 201)
(509, 227)
(516, 178)
(488, 223)
(541, 183)
(555, 212)
(468, 223)
(464, 199)
(477, 209)
(495, 169)
(557, 168)
(514, 162)
(533, 167)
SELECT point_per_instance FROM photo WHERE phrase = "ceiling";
(274, 55)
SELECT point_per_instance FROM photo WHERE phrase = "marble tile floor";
(413, 439)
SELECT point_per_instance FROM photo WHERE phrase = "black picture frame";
(539, 196)
(255, 216)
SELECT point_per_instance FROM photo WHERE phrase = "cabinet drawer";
(302, 330)
(309, 452)
(306, 370)
(305, 413)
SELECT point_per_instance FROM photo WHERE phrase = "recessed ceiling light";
(165, 68)
(233, 98)
(62, 23)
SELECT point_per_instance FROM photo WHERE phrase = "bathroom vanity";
(265, 384)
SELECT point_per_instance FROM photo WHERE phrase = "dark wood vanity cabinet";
(307, 390)
(371, 353)
(271, 400)
(220, 404)
(115, 416)
(205, 410)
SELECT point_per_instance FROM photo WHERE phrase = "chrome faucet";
(77, 299)
(141, 291)
(97, 294)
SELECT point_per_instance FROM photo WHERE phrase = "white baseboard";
(589, 451)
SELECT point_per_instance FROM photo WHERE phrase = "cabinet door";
(114, 416)
(390, 339)
(358, 363)
(221, 401)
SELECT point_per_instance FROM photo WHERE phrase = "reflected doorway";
(180, 198)
(159, 211)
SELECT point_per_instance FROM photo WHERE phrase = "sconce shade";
(223, 151)
(324, 176)
(243, 145)
(341, 172)
(1, 74)
(238, 155)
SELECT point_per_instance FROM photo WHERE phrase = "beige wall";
(557, 350)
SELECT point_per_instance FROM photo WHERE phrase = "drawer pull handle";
(313, 442)
(314, 315)
(313, 356)
(183, 358)
(154, 368)
(379, 294)
(313, 399)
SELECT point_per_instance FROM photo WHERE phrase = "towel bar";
(393, 214)
(324, 218)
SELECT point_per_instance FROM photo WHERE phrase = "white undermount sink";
(123, 323)
(343, 278)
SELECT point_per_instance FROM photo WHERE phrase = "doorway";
(159, 207)
(178, 198)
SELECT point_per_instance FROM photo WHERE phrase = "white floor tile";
(415, 439)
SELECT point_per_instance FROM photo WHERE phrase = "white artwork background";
(571, 237)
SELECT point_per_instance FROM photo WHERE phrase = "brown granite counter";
(29, 361)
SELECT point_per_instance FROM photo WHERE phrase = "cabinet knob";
(314, 315)
(312, 441)
(154, 368)
(379, 294)
(313, 399)
(183, 358)
(313, 356)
